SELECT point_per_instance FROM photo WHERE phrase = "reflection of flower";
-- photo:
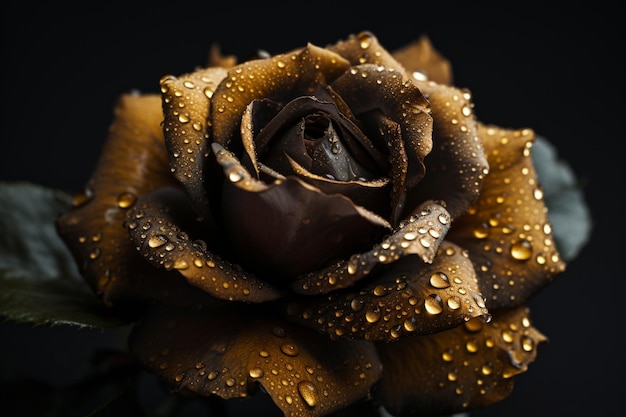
(332, 224)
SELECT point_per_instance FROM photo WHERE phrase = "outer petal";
(469, 367)
(407, 298)
(420, 56)
(160, 224)
(133, 161)
(457, 166)
(507, 231)
(228, 353)
(186, 106)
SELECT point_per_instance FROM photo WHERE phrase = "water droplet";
(308, 392)
(439, 280)
(157, 240)
(289, 349)
(522, 250)
(125, 200)
(373, 314)
(356, 304)
(433, 304)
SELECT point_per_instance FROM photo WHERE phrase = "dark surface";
(554, 71)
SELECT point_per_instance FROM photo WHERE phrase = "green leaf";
(567, 209)
(39, 279)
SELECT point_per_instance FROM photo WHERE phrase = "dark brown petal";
(421, 234)
(229, 354)
(469, 367)
(133, 161)
(408, 298)
(420, 56)
(368, 87)
(456, 168)
(390, 133)
(288, 227)
(159, 225)
(280, 78)
(371, 194)
(364, 48)
(507, 232)
(186, 106)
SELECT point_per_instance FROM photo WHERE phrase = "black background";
(554, 70)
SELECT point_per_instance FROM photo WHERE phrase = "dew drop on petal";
(522, 251)
(433, 304)
(439, 280)
(308, 392)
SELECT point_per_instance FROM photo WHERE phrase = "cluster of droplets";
(440, 296)
(297, 381)
(420, 234)
(475, 357)
(510, 250)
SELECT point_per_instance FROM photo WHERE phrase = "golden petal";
(230, 353)
(405, 299)
(186, 108)
(420, 56)
(159, 225)
(134, 161)
(364, 48)
(465, 368)
(507, 232)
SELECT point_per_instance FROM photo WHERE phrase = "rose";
(332, 224)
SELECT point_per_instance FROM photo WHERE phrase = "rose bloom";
(331, 226)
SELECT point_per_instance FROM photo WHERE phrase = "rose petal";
(420, 234)
(230, 353)
(468, 367)
(159, 225)
(457, 165)
(369, 87)
(133, 161)
(186, 106)
(407, 298)
(280, 78)
(289, 227)
(364, 48)
(507, 231)
(420, 56)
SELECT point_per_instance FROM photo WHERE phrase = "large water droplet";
(433, 304)
(308, 392)
(522, 250)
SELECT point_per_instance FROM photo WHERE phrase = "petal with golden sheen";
(507, 232)
(457, 166)
(405, 299)
(163, 227)
(133, 161)
(230, 353)
(364, 48)
(280, 78)
(465, 368)
(421, 234)
(420, 56)
(186, 109)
